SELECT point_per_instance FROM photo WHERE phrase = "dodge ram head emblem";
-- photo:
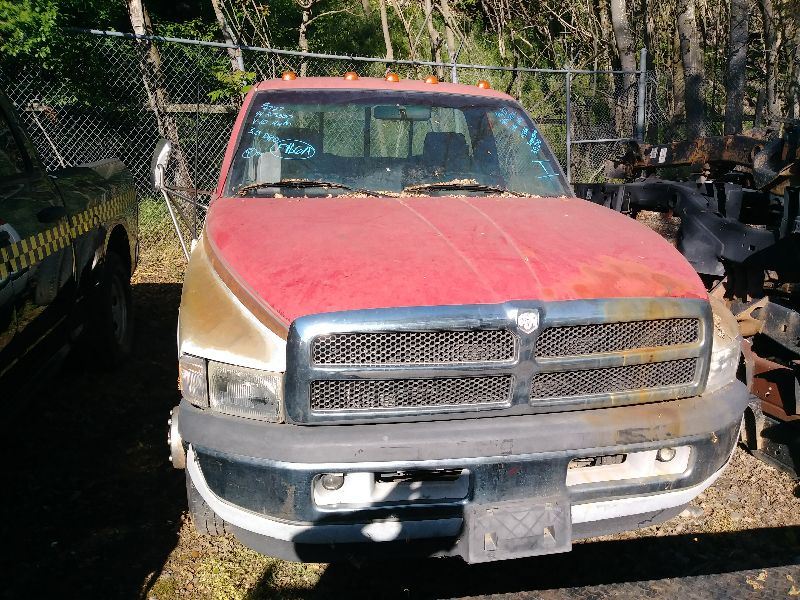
(528, 321)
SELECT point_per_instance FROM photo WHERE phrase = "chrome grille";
(575, 340)
(389, 394)
(414, 347)
(389, 363)
(607, 380)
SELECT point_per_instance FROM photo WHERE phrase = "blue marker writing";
(293, 150)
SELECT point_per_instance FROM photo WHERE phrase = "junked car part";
(740, 230)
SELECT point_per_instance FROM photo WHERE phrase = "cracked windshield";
(344, 142)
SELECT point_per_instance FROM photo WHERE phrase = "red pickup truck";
(401, 333)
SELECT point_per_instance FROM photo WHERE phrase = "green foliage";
(33, 41)
(350, 32)
(194, 29)
(28, 27)
(236, 83)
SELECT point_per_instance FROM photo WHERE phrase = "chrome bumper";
(262, 478)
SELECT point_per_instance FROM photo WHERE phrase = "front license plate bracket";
(518, 528)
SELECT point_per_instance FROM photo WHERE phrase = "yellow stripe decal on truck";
(34, 249)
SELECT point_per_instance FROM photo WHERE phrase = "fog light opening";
(332, 481)
(666, 454)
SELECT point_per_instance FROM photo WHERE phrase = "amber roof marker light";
(289, 76)
(392, 77)
(484, 85)
(431, 79)
(351, 76)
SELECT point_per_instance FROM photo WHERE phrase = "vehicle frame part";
(740, 230)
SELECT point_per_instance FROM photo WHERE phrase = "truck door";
(8, 316)
(36, 257)
(12, 171)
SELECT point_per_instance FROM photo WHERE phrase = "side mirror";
(158, 164)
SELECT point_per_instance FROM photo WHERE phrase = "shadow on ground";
(92, 503)
(589, 564)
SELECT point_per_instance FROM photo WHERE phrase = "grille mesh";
(613, 379)
(615, 337)
(414, 347)
(409, 393)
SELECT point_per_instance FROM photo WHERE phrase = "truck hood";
(312, 255)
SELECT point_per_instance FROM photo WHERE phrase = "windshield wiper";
(469, 187)
(301, 184)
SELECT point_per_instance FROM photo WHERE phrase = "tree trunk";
(771, 52)
(387, 38)
(152, 78)
(366, 7)
(235, 54)
(693, 72)
(433, 34)
(449, 31)
(622, 34)
(412, 47)
(627, 60)
(302, 36)
(607, 29)
(737, 63)
(794, 83)
(678, 84)
(609, 42)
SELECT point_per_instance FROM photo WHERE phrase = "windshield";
(333, 142)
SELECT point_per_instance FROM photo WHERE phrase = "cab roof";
(377, 83)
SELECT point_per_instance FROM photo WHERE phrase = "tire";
(205, 520)
(111, 318)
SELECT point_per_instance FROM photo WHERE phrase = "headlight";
(232, 390)
(726, 347)
(192, 372)
(245, 392)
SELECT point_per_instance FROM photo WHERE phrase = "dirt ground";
(93, 508)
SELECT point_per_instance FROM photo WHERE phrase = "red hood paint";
(314, 255)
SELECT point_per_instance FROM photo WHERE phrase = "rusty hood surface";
(313, 255)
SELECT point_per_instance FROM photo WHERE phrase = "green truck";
(68, 247)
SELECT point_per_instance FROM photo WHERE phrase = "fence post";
(568, 88)
(642, 96)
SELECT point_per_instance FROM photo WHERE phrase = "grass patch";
(165, 588)
(221, 568)
(161, 259)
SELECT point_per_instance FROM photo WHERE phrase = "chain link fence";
(129, 92)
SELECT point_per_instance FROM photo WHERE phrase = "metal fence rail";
(111, 111)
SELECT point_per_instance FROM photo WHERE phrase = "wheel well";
(118, 244)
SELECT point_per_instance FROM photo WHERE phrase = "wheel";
(205, 520)
(111, 318)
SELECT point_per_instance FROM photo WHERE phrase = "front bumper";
(261, 478)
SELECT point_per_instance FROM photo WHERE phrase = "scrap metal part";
(763, 163)
(740, 230)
